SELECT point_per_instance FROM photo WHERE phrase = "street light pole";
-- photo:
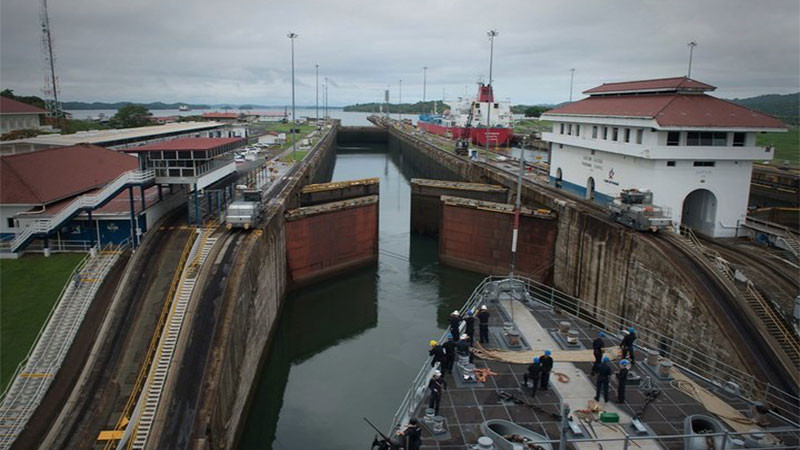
(316, 67)
(691, 46)
(325, 92)
(492, 34)
(571, 78)
(292, 37)
(424, 82)
(400, 102)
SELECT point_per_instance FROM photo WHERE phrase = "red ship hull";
(497, 136)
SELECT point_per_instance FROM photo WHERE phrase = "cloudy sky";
(215, 51)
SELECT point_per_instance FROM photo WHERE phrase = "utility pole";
(316, 67)
(691, 46)
(571, 78)
(517, 207)
(400, 102)
(325, 93)
(292, 37)
(424, 82)
(492, 34)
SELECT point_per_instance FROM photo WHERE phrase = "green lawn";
(29, 287)
(787, 146)
(531, 125)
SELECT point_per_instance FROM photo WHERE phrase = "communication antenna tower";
(50, 79)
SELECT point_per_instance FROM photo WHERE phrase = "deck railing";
(690, 358)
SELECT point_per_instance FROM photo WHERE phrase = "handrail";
(24, 361)
(774, 324)
(694, 359)
(89, 201)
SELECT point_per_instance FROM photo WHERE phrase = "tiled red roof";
(660, 84)
(187, 144)
(49, 175)
(219, 115)
(672, 110)
(9, 106)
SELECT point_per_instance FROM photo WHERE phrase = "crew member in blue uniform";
(622, 380)
(437, 351)
(483, 325)
(469, 321)
(603, 376)
(436, 386)
(597, 349)
(547, 366)
(455, 322)
(534, 373)
(627, 345)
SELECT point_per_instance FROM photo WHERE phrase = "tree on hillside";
(131, 116)
(535, 111)
(29, 99)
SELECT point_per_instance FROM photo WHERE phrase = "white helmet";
(454, 313)
(437, 373)
(464, 336)
(483, 307)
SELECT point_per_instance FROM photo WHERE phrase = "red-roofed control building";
(44, 195)
(16, 115)
(225, 117)
(694, 152)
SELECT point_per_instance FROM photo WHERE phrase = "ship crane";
(462, 143)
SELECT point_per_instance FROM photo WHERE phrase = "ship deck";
(465, 407)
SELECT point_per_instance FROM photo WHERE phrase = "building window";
(627, 134)
(569, 130)
(605, 133)
(562, 128)
(639, 135)
(738, 139)
(704, 163)
(578, 130)
(706, 138)
(560, 145)
(615, 134)
(10, 222)
(495, 106)
(670, 163)
(594, 132)
(673, 138)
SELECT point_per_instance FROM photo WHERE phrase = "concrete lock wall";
(611, 267)
(250, 310)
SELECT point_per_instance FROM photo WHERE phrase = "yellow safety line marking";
(110, 435)
(90, 280)
(35, 375)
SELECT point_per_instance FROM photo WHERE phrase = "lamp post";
(400, 102)
(424, 82)
(292, 37)
(492, 34)
(691, 46)
(571, 78)
(325, 96)
(316, 67)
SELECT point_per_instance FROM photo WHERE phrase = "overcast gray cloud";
(238, 52)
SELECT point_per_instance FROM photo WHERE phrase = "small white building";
(693, 151)
(16, 115)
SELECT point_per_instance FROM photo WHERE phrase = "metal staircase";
(36, 372)
(148, 404)
(43, 227)
(791, 241)
(767, 313)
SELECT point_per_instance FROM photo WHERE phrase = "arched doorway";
(559, 177)
(590, 189)
(700, 211)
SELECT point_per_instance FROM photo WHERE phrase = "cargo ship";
(467, 119)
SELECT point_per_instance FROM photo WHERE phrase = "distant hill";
(118, 105)
(404, 108)
(785, 107)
